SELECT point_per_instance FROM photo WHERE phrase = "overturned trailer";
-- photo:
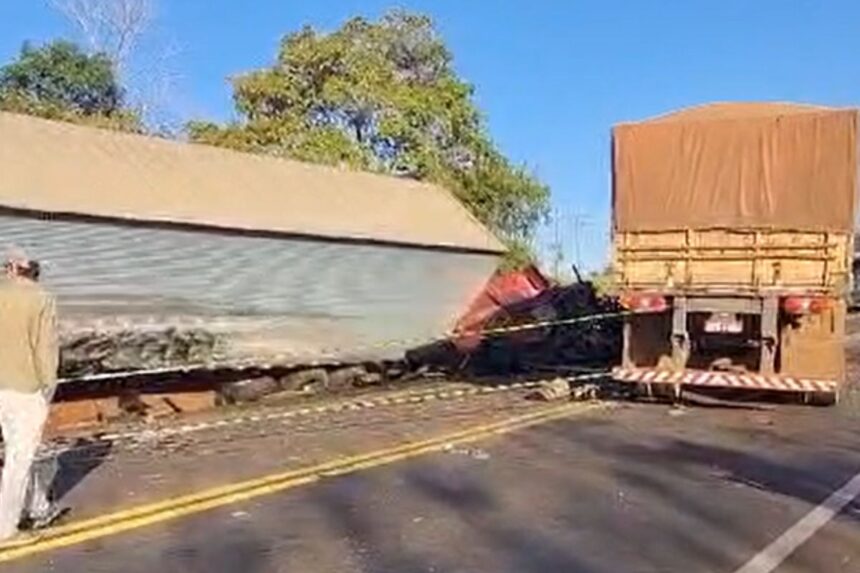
(167, 255)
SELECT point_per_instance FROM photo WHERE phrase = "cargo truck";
(733, 236)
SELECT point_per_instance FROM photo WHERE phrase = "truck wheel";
(642, 391)
(310, 380)
(249, 390)
(823, 399)
(656, 392)
(344, 378)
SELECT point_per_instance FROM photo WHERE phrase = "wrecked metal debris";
(96, 352)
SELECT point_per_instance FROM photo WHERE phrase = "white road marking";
(778, 551)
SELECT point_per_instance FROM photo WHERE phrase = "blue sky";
(551, 76)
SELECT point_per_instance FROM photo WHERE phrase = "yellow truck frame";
(754, 274)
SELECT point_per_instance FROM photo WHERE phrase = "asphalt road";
(640, 488)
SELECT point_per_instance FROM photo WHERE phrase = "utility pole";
(557, 253)
(579, 221)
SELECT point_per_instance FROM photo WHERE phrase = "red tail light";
(805, 304)
(644, 302)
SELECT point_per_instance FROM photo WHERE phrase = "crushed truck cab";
(733, 232)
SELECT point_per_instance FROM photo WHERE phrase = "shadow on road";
(807, 466)
(234, 549)
(512, 541)
(467, 529)
(376, 547)
(76, 463)
(605, 492)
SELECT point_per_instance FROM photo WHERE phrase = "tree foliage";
(61, 81)
(381, 96)
(604, 281)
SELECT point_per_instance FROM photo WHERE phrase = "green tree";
(61, 81)
(382, 96)
(604, 281)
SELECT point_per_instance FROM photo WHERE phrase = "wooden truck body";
(733, 231)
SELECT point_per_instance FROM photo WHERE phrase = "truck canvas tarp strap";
(754, 166)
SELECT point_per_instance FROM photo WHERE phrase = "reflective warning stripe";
(723, 380)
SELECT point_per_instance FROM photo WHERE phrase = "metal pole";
(557, 254)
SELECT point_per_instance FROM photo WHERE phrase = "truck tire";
(310, 380)
(822, 399)
(344, 378)
(247, 390)
(654, 392)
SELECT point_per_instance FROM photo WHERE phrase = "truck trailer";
(171, 258)
(733, 234)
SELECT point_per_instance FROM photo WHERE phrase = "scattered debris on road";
(552, 391)
(474, 453)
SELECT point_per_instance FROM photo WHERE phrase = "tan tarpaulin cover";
(737, 165)
(62, 168)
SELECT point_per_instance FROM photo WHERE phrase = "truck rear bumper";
(723, 380)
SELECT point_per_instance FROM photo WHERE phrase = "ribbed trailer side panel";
(308, 299)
